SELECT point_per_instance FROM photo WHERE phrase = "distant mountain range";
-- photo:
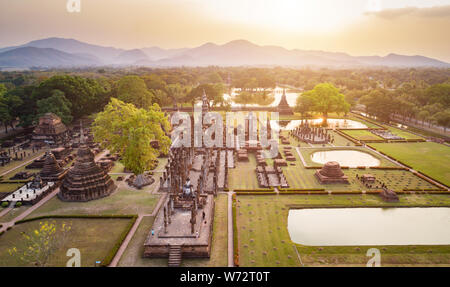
(60, 52)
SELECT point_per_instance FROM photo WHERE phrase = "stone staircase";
(174, 255)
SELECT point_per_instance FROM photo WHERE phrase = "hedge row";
(255, 190)
(301, 189)
(75, 216)
(389, 167)
(110, 256)
(427, 178)
(256, 193)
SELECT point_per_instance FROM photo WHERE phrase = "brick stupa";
(331, 172)
(85, 181)
(283, 107)
(51, 170)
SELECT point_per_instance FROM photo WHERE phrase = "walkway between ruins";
(133, 230)
(19, 166)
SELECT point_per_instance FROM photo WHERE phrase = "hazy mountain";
(130, 57)
(25, 57)
(234, 53)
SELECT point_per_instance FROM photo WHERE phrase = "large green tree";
(133, 90)
(85, 94)
(57, 104)
(127, 130)
(325, 99)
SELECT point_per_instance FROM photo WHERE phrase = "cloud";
(432, 12)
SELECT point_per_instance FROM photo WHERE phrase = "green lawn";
(122, 201)
(15, 163)
(93, 237)
(403, 134)
(243, 176)
(263, 238)
(132, 256)
(430, 158)
(363, 135)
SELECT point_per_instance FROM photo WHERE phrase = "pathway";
(230, 230)
(133, 230)
(29, 210)
(19, 166)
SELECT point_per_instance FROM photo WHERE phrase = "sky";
(357, 27)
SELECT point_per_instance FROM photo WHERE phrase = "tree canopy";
(57, 104)
(323, 98)
(127, 130)
(133, 90)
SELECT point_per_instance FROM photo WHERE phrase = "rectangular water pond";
(370, 226)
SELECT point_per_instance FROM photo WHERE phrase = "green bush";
(18, 204)
(5, 204)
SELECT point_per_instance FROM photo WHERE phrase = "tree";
(326, 98)
(128, 130)
(443, 119)
(38, 246)
(57, 104)
(214, 94)
(86, 95)
(176, 92)
(304, 104)
(133, 90)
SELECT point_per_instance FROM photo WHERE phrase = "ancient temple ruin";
(331, 172)
(86, 180)
(51, 170)
(183, 225)
(283, 107)
(50, 130)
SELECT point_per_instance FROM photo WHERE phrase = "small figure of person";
(153, 232)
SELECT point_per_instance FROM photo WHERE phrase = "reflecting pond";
(331, 123)
(277, 93)
(350, 158)
(370, 226)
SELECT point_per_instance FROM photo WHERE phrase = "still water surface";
(370, 226)
(350, 158)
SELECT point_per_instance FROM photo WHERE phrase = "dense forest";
(413, 94)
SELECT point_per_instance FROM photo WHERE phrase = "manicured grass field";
(15, 163)
(263, 238)
(122, 201)
(93, 237)
(132, 256)
(403, 134)
(9, 187)
(363, 135)
(430, 158)
(397, 180)
(243, 176)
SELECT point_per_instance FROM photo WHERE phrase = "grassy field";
(263, 238)
(397, 180)
(362, 135)
(428, 157)
(122, 201)
(15, 163)
(403, 134)
(133, 254)
(243, 176)
(88, 235)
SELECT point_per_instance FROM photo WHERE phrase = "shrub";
(18, 204)
(5, 204)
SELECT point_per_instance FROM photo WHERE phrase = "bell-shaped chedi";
(51, 170)
(86, 180)
(331, 172)
(283, 107)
